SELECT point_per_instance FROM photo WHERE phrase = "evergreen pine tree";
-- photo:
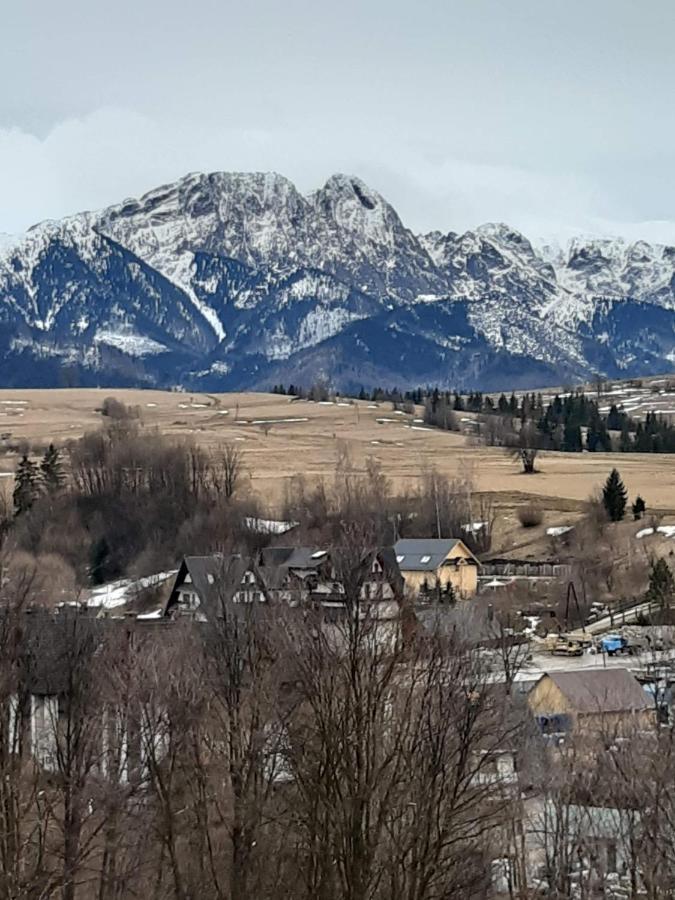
(52, 469)
(625, 442)
(572, 439)
(661, 588)
(101, 568)
(604, 438)
(638, 508)
(26, 485)
(614, 496)
(592, 438)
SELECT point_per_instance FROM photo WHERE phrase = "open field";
(280, 438)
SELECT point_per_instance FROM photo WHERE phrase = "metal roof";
(423, 554)
(601, 690)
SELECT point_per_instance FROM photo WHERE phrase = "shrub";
(530, 515)
(115, 409)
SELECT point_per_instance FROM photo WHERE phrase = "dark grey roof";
(601, 690)
(423, 554)
(214, 578)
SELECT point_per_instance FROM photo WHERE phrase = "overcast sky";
(553, 116)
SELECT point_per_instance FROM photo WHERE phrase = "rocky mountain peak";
(228, 279)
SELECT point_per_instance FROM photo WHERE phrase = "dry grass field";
(280, 438)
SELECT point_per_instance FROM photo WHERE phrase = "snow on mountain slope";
(237, 275)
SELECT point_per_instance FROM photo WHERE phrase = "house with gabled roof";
(292, 575)
(584, 700)
(308, 575)
(203, 582)
(437, 566)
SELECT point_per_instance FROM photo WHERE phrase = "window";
(425, 559)
(190, 599)
(400, 558)
(319, 554)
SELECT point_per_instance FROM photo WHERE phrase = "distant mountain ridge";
(230, 281)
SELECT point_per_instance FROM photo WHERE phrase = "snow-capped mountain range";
(230, 281)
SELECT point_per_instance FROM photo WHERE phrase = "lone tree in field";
(661, 588)
(638, 508)
(26, 485)
(614, 496)
(52, 469)
(525, 447)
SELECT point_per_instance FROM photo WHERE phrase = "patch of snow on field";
(557, 530)
(269, 526)
(474, 527)
(117, 593)
(157, 614)
(667, 530)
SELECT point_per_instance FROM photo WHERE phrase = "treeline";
(572, 422)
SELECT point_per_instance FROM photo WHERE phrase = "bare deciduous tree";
(233, 467)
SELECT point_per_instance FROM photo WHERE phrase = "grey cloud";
(551, 117)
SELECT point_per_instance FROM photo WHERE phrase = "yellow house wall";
(546, 698)
(463, 578)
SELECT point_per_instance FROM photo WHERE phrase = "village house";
(563, 845)
(202, 582)
(308, 575)
(290, 575)
(608, 701)
(437, 566)
(52, 653)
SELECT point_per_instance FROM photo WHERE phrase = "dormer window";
(425, 559)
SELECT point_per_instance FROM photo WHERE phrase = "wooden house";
(434, 566)
(585, 700)
(203, 582)
(291, 575)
